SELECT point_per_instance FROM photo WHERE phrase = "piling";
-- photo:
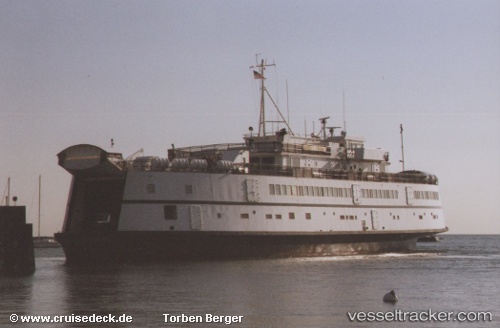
(16, 242)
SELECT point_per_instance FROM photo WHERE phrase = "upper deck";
(281, 153)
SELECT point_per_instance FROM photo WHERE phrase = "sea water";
(434, 284)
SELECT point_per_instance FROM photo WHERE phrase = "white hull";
(243, 203)
(186, 215)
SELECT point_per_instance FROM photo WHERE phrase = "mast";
(262, 117)
(259, 75)
(7, 199)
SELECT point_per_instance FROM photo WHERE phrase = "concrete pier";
(16, 242)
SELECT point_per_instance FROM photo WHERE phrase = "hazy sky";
(153, 73)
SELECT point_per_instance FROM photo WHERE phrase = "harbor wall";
(16, 242)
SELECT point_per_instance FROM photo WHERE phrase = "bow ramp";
(84, 160)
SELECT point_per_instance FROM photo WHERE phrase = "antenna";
(39, 202)
(402, 147)
(343, 109)
(287, 104)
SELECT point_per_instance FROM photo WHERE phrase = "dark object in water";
(45, 242)
(16, 242)
(390, 297)
(429, 239)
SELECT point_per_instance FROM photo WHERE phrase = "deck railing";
(303, 172)
(190, 152)
(306, 172)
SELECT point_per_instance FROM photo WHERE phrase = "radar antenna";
(324, 127)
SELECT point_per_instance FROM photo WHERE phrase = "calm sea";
(457, 274)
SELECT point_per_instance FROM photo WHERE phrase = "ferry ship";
(274, 195)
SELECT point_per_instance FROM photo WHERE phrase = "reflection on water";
(305, 292)
(16, 291)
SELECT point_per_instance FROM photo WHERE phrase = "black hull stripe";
(305, 234)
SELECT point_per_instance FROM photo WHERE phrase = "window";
(426, 195)
(269, 216)
(244, 215)
(271, 189)
(308, 216)
(278, 216)
(277, 189)
(150, 188)
(291, 216)
(314, 191)
(170, 212)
